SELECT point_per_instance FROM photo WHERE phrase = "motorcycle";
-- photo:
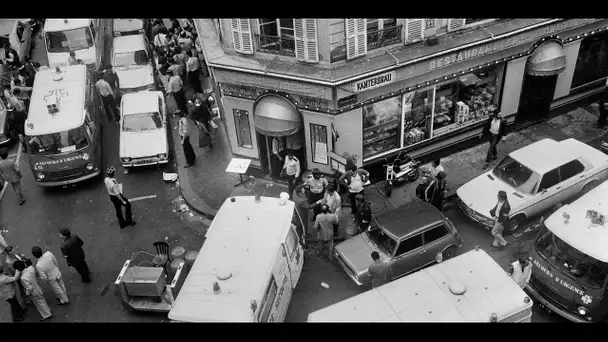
(401, 170)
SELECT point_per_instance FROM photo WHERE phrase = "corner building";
(370, 88)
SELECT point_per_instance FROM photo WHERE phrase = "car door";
(548, 192)
(572, 177)
(410, 255)
(435, 240)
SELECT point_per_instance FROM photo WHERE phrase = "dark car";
(409, 238)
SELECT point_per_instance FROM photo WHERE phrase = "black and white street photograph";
(304, 170)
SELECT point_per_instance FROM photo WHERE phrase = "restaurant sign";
(374, 82)
(313, 102)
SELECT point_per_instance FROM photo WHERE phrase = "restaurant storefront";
(421, 106)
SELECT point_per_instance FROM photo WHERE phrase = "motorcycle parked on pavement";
(403, 169)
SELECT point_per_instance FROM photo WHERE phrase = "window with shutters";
(382, 32)
(455, 24)
(414, 30)
(356, 38)
(241, 36)
(276, 36)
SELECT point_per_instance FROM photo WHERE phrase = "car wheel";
(588, 187)
(515, 224)
(449, 253)
(388, 188)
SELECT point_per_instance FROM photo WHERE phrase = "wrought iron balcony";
(384, 37)
(275, 45)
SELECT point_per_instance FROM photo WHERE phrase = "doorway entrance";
(270, 163)
(536, 96)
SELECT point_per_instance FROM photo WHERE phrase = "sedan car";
(123, 27)
(408, 238)
(132, 60)
(18, 34)
(143, 129)
(535, 178)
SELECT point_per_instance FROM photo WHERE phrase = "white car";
(535, 178)
(143, 129)
(132, 60)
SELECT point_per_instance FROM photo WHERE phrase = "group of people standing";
(20, 278)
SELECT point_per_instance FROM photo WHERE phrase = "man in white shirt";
(118, 199)
(48, 270)
(294, 142)
(175, 87)
(292, 171)
(107, 97)
(192, 67)
(33, 290)
(495, 131)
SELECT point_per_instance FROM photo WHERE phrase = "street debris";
(325, 285)
(169, 177)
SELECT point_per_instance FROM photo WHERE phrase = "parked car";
(535, 177)
(18, 34)
(409, 238)
(132, 60)
(123, 27)
(143, 129)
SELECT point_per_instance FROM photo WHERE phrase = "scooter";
(401, 170)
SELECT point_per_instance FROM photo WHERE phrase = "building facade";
(367, 89)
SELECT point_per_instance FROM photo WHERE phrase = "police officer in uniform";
(291, 169)
(315, 186)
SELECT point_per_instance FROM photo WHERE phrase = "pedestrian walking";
(521, 270)
(380, 271)
(176, 88)
(494, 131)
(435, 191)
(334, 202)
(118, 199)
(355, 180)
(72, 59)
(184, 133)
(48, 271)
(315, 186)
(192, 67)
(71, 248)
(324, 223)
(603, 106)
(500, 213)
(107, 97)
(202, 117)
(8, 291)
(11, 257)
(291, 171)
(10, 172)
(294, 143)
(364, 214)
(112, 78)
(161, 40)
(29, 280)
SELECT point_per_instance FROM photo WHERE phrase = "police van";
(83, 36)
(63, 128)
(471, 287)
(248, 266)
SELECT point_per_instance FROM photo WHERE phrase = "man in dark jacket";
(500, 213)
(364, 213)
(202, 117)
(494, 130)
(73, 253)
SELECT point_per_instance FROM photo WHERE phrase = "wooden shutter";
(414, 30)
(455, 24)
(241, 36)
(305, 32)
(356, 38)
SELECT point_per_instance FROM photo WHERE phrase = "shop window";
(382, 32)
(592, 61)
(409, 245)
(318, 141)
(435, 234)
(417, 116)
(467, 100)
(276, 36)
(381, 126)
(243, 128)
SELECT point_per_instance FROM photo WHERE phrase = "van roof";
(425, 296)
(579, 233)
(545, 155)
(129, 43)
(54, 25)
(243, 239)
(139, 102)
(71, 90)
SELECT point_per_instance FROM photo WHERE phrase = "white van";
(471, 287)
(248, 266)
(83, 36)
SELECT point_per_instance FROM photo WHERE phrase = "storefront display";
(417, 114)
(381, 126)
(466, 100)
(592, 62)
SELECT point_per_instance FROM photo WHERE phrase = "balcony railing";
(275, 45)
(384, 37)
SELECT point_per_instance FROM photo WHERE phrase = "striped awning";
(548, 60)
(276, 117)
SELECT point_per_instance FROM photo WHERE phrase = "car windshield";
(138, 57)
(378, 236)
(569, 260)
(57, 143)
(142, 122)
(516, 175)
(69, 40)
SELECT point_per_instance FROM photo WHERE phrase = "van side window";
(435, 234)
(291, 243)
(296, 220)
(268, 300)
(409, 245)
(93, 30)
(20, 30)
(549, 179)
(570, 169)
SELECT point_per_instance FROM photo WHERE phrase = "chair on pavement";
(162, 251)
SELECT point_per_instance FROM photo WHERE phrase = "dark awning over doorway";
(276, 117)
(548, 60)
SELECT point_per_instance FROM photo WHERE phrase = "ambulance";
(248, 266)
(471, 287)
(83, 36)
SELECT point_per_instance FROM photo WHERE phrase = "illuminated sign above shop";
(374, 82)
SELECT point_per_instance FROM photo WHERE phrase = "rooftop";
(129, 43)
(409, 218)
(544, 155)
(54, 25)
(139, 102)
(243, 239)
